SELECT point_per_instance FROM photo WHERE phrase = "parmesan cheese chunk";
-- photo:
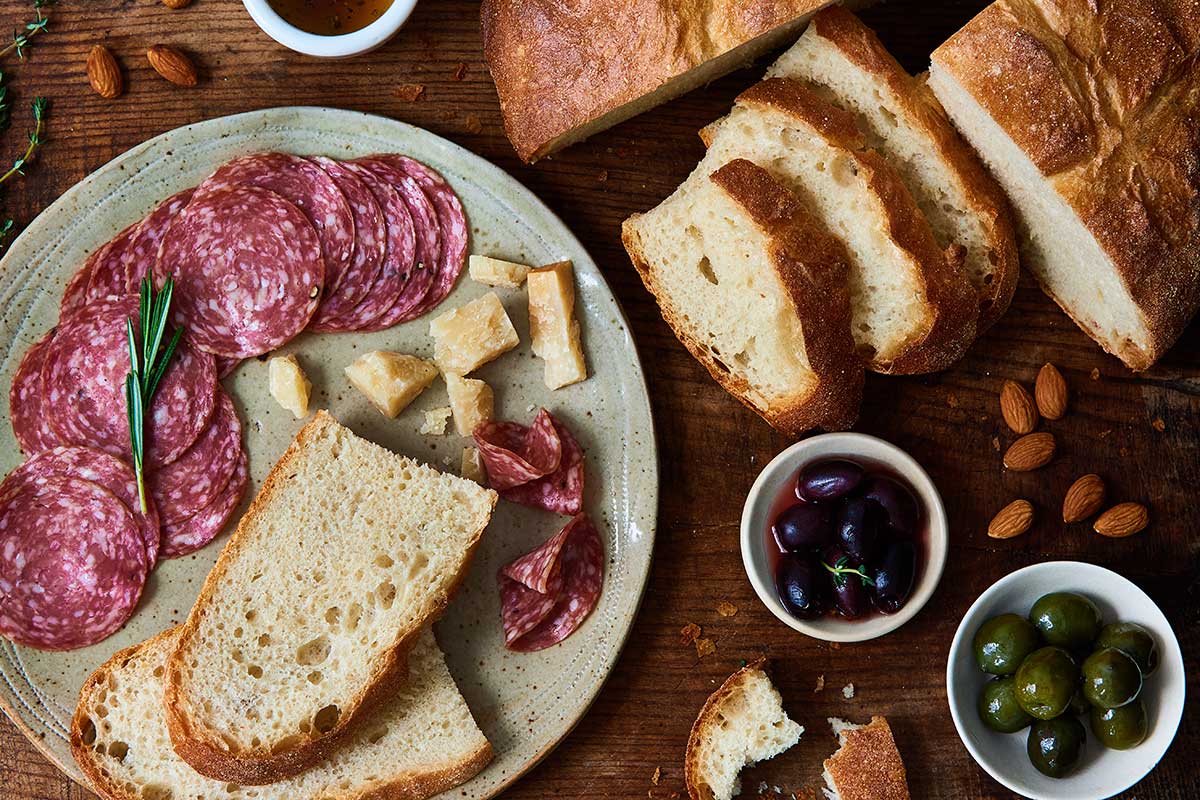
(435, 421)
(471, 335)
(288, 385)
(472, 466)
(472, 402)
(390, 380)
(495, 272)
(553, 326)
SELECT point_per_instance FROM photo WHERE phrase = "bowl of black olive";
(844, 537)
(1065, 682)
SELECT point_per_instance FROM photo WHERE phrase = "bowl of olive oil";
(330, 28)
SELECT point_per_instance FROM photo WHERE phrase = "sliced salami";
(30, 423)
(83, 381)
(248, 270)
(541, 569)
(562, 490)
(515, 455)
(191, 482)
(370, 247)
(143, 246)
(189, 535)
(75, 293)
(226, 366)
(72, 564)
(108, 277)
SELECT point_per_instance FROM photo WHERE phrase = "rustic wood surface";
(1138, 431)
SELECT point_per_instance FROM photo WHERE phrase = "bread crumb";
(435, 421)
(705, 647)
(473, 124)
(1124, 452)
(820, 684)
(1104, 434)
(726, 609)
(952, 400)
(1095, 374)
(848, 691)
(410, 92)
(996, 443)
(689, 633)
(460, 71)
(1158, 424)
(656, 776)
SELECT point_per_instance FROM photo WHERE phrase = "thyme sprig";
(148, 360)
(37, 138)
(841, 569)
(5, 105)
(23, 35)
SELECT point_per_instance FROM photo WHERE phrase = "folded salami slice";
(191, 482)
(248, 270)
(83, 381)
(72, 563)
(108, 276)
(143, 246)
(569, 569)
(26, 410)
(190, 534)
(562, 490)
(515, 455)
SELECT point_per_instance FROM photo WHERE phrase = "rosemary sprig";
(840, 570)
(23, 35)
(148, 360)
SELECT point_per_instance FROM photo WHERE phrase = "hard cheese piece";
(553, 326)
(469, 336)
(390, 380)
(435, 421)
(495, 272)
(289, 385)
(472, 466)
(472, 402)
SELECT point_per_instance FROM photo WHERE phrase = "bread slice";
(845, 63)
(743, 722)
(913, 312)
(753, 286)
(420, 742)
(303, 625)
(867, 766)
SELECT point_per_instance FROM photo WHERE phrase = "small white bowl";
(1101, 773)
(869, 451)
(342, 45)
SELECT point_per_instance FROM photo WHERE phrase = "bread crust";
(200, 748)
(707, 717)
(868, 766)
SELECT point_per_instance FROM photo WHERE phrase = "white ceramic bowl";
(339, 46)
(868, 451)
(1101, 773)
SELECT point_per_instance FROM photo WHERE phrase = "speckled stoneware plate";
(525, 703)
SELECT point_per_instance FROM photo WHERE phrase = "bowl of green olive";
(1065, 682)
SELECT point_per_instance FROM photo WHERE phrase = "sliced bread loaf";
(743, 722)
(753, 286)
(304, 623)
(913, 312)
(420, 742)
(846, 64)
(867, 765)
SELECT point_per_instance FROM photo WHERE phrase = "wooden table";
(1138, 431)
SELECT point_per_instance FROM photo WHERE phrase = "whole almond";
(1051, 392)
(172, 64)
(1017, 408)
(1124, 519)
(1013, 520)
(1084, 498)
(1030, 452)
(176, 3)
(104, 74)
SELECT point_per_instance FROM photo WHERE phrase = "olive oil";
(330, 17)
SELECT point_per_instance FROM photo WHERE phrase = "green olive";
(1055, 745)
(1134, 641)
(1066, 619)
(998, 706)
(1110, 678)
(1120, 728)
(1003, 642)
(1079, 704)
(1046, 681)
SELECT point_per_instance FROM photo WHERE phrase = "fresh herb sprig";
(5, 104)
(841, 570)
(22, 36)
(37, 137)
(148, 359)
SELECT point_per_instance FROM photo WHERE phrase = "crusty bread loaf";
(565, 71)
(913, 311)
(752, 286)
(743, 722)
(846, 64)
(1087, 115)
(421, 742)
(304, 623)
(867, 766)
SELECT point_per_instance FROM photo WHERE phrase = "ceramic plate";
(525, 703)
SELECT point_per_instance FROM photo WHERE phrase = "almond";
(1013, 520)
(1030, 452)
(176, 3)
(1051, 392)
(1017, 408)
(172, 64)
(104, 74)
(1124, 519)
(1084, 498)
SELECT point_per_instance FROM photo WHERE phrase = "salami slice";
(562, 490)
(30, 423)
(515, 455)
(83, 381)
(226, 366)
(370, 247)
(306, 186)
(248, 270)
(541, 569)
(75, 293)
(109, 278)
(72, 564)
(189, 535)
(535, 620)
(191, 482)
(143, 246)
